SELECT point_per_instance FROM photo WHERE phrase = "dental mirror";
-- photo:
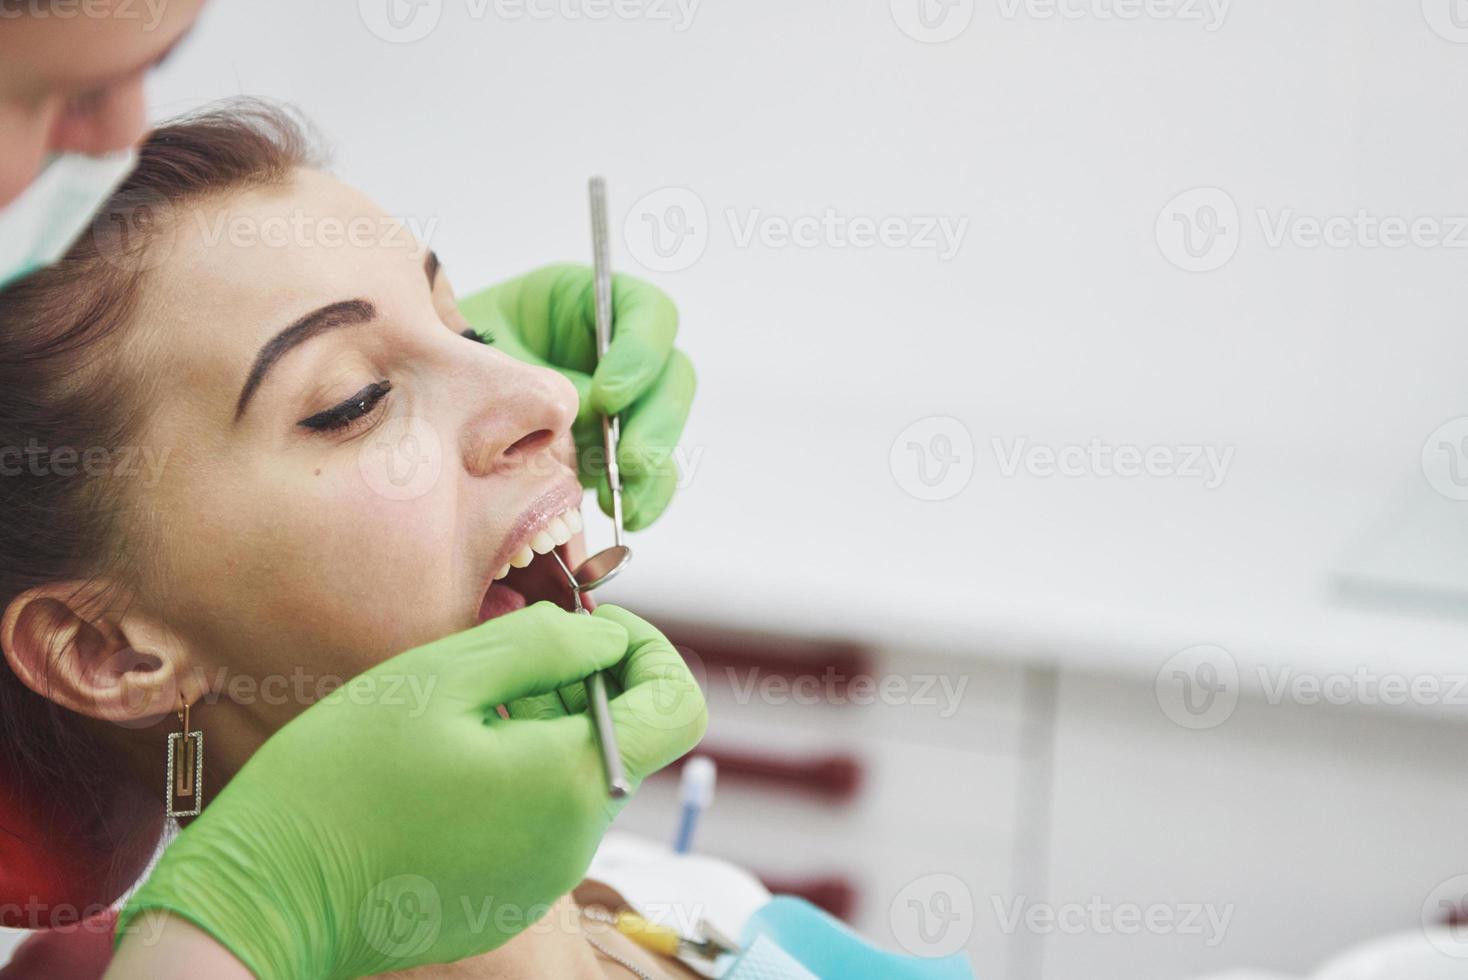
(606, 564)
(602, 567)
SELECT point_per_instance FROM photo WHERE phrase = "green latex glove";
(654, 674)
(549, 318)
(379, 830)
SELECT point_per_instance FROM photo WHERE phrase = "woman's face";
(345, 472)
(71, 78)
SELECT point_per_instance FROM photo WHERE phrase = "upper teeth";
(558, 531)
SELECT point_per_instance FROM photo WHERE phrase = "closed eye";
(487, 337)
(359, 406)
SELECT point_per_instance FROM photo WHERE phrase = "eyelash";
(359, 406)
(365, 402)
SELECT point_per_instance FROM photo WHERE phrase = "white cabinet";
(1092, 837)
(1311, 828)
(937, 794)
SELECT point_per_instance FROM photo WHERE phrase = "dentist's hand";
(651, 693)
(548, 317)
(381, 830)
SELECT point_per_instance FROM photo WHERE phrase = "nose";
(520, 412)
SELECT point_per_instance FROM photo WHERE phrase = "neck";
(232, 733)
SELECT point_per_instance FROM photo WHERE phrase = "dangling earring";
(185, 770)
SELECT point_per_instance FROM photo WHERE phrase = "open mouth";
(532, 575)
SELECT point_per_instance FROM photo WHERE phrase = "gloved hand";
(654, 678)
(377, 831)
(548, 317)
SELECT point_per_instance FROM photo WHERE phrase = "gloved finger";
(649, 495)
(646, 321)
(539, 707)
(584, 412)
(590, 454)
(651, 429)
(652, 426)
(535, 650)
(660, 714)
(651, 657)
(646, 490)
(644, 497)
(575, 699)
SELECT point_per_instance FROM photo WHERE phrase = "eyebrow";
(348, 313)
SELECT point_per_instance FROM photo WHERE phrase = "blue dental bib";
(791, 939)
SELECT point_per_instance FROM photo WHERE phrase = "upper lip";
(561, 497)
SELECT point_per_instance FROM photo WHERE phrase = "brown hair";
(62, 394)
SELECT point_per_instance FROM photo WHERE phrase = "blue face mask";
(38, 227)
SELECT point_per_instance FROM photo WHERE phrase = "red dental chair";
(52, 883)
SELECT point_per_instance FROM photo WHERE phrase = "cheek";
(371, 567)
(313, 569)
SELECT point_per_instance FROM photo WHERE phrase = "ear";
(64, 643)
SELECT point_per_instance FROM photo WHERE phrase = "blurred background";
(1071, 536)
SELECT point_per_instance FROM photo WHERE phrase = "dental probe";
(599, 706)
(603, 566)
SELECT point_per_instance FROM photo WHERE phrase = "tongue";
(542, 579)
(500, 599)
